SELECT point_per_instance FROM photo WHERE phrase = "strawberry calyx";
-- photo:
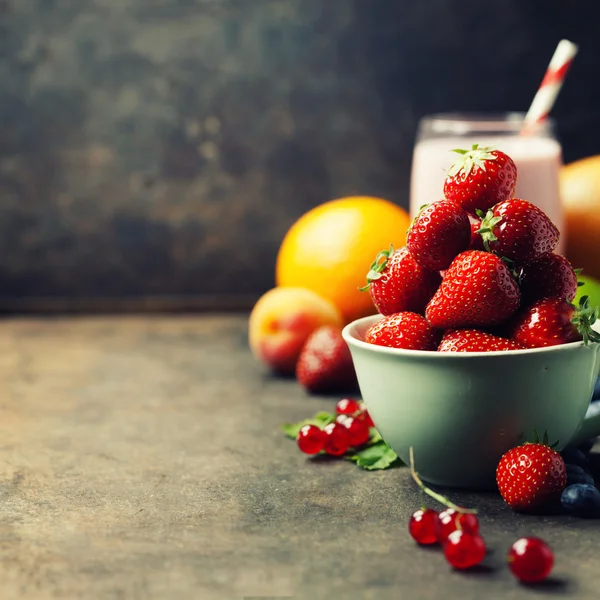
(535, 439)
(377, 267)
(471, 159)
(488, 223)
(516, 271)
(421, 209)
(441, 499)
(583, 319)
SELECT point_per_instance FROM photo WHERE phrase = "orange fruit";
(580, 195)
(330, 248)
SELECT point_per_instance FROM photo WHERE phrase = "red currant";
(365, 416)
(530, 559)
(469, 522)
(347, 406)
(421, 526)
(464, 550)
(358, 430)
(337, 439)
(450, 520)
(311, 439)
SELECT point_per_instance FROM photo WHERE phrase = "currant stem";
(457, 521)
(441, 499)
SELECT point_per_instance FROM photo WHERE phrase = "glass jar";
(538, 156)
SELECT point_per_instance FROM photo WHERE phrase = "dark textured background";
(161, 148)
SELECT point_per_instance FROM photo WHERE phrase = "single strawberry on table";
(518, 230)
(478, 290)
(398, 283)
(475, 340)
(530, 475)
(553, 321)
(551, 276)
(406, 330)
(438, 233)
(325, 363)
(480, 178)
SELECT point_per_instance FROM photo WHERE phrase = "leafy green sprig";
(375, 455)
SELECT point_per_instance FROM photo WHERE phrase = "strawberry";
(518, 230)
(477, 290)
(550, 276)
(480, 178)
(325, 363)
(476, 239)
(438, 233)
(554, 321)
(531, 474)
(406, 330)
(398, 283)
(474, 340)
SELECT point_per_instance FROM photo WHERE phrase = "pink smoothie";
(538, 162)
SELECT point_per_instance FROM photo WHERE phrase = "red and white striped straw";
(551, 84)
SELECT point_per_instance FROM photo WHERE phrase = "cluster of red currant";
(457, 532)
(456, 529)
(351, 429)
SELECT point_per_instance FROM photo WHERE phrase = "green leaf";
(321, 419)
(376, 457)
(375, 436)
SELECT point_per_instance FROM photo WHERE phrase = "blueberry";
(586, 446)
(575, 456)
(581, 500)
(583, 478)
(575, 474)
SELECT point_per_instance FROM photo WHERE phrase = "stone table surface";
(142, 458)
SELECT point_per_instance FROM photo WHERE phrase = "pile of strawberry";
(478, 272)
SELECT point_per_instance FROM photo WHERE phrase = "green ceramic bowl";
(461, 411)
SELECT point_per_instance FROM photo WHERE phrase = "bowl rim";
(349, 335)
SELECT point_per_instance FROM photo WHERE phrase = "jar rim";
(473, 122)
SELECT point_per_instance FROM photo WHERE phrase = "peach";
(282, 320)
